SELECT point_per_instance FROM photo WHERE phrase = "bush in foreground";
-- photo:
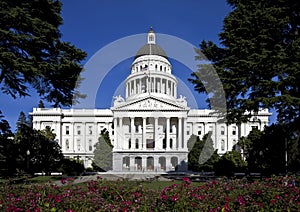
(271, 194)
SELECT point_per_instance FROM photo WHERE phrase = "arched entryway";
(126, 164)
(150, 164)
(162, 164)
(174, 163)
(138, 164)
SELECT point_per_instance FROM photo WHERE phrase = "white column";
(131, 163)
(156, 132)
(144, 133)
(168, 133)
(73, 136)
(184, 146)
(134, 85)
(121, 141)
(132, 130)
(115, 133)
(179, 133)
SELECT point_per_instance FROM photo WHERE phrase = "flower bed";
(271, 194)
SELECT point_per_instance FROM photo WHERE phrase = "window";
(137, 143)
(151, 38)
(222, 130)
(211, 129)
(188, 132)
(67, 144)
(67, 130)
(233, 130)
(199, 132)
(90, 130)
(171, 143)
(222, 145)
(129, 143)
(90, 145)
(136, 128)
(254, 127)
(78, 130)
(78, 144)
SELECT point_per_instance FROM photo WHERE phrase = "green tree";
(103, 152)
(32, 53)
(258, 61)
(230, 163)
(22, 120)
(202, 155)
(266, 151)
(37, 151)
(6, 147)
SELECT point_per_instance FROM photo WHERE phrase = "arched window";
(150, 164)
(138, 164)
(126, 163)
(174, 163)
(162, 164)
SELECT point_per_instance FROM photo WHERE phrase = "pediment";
(150, 103)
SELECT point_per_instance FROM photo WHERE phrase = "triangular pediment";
(150, 103)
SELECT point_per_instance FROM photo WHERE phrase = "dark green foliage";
(32, 54)
(103, 152)
(6, 145)
(202, 155)
(259, 60)
(71, 167)
(265, 151)
(45, 154)
(230, 163)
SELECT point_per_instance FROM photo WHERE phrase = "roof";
(151, 49)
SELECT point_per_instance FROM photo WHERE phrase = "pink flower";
(186, 180)
(99, 177)
(164, 197)
(241, 200)
(174, 198)
(258, 192)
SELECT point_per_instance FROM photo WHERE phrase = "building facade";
(150, 126)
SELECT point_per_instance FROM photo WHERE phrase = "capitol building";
(149, 127)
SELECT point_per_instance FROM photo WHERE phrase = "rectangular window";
(188, 132)
(90, 130)
(78, 144)
(67, 130)
(78, 130)
(67, 144)
(199, 132)
(90, 145)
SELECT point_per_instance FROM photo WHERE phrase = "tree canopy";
(32, 53)
(258, 61)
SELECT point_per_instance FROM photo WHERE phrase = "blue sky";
(91, 24)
